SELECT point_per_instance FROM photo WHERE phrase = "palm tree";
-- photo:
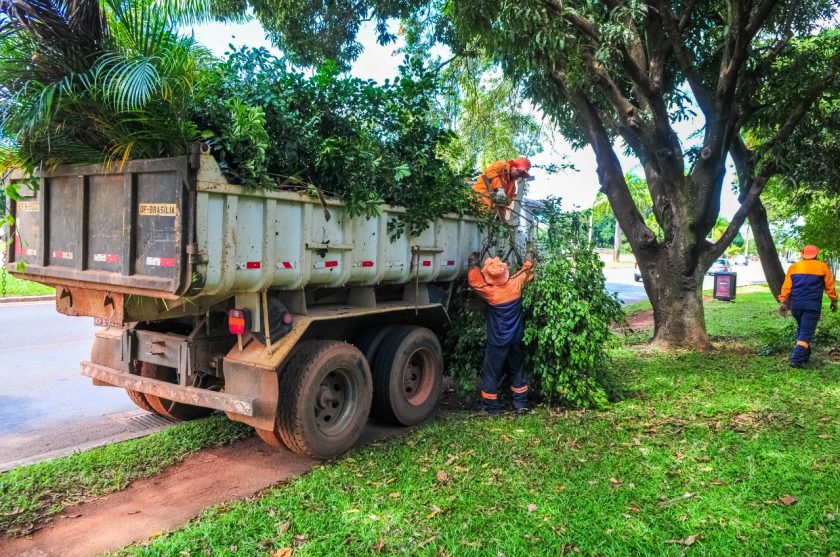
(83, 81)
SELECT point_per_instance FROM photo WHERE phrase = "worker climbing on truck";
(505, 351)
(499, 179)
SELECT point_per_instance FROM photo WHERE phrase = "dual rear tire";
(328, 388)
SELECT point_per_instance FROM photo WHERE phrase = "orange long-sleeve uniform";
(504, 304)
(498, 176)
(804, 284)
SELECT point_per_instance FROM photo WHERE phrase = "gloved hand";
(833, 306)
(784, 308)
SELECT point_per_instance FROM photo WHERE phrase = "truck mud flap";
(187, 395)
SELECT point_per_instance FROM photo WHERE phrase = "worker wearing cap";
(505, 327)
(802, 294)
(501, 177)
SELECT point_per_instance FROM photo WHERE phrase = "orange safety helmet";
(522, 164)
(810, 252)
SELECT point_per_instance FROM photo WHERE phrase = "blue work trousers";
(498, 360)
(806, 321)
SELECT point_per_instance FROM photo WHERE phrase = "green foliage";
(568, 315)
(641, 197)
(365, 143)
(603, 231)
(33, 494)
(90, 83)
(489, 115)
(705, 451)
(465, 341)
(130, 87)
(18, 287)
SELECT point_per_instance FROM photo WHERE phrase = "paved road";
(620, 280)
(46, 407)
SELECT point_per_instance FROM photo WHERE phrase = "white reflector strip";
(325, 264)
(160, 261)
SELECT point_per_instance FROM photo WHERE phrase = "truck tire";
(324, 400)
(139, 399)
(407, 376)
(167, 408)
(368, 343)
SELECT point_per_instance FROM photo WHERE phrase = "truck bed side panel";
(123, 229)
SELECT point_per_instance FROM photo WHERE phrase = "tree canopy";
(624, 72)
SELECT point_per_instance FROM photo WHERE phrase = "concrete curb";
(20, 299)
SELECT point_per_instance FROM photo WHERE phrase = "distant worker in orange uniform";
(501, 176)
(505, 351)
(802, 293)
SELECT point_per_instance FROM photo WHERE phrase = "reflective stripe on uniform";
(489, 396)
(803, 343)
(519, 390)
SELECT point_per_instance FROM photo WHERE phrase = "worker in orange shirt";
(505, 352)
(501, 177)
(801, 295)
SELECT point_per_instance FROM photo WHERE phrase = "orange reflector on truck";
(239, 321)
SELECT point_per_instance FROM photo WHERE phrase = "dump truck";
(275, 307)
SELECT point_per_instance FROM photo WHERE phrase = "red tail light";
(239, 321)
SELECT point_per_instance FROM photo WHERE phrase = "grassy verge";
(728, 453)
(18, 287)
(31, 494)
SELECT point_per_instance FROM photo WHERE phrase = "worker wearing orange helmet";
(501, 177)
(505, 351)
(801, 295)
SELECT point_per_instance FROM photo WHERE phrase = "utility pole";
(747, 245)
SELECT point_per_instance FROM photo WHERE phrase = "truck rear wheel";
(407, 376)
(368, 343)
(324, 402)
(139, 399)
(165, 407)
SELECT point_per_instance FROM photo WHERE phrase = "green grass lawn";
(31, 494)
(17, 287)
(728, 453)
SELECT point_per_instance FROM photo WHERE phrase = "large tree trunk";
(767, 253)
(674, 287)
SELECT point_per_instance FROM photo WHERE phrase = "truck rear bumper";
(188, 395)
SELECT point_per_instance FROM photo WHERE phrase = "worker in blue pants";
(801, 295)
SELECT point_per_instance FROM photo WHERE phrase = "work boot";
(797, 365)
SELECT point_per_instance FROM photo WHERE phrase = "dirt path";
(641, 320)
(169, 500)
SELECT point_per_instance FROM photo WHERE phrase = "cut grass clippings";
(31, 494)
(722, 453)
(17, 287)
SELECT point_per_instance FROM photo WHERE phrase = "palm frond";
(191, 12)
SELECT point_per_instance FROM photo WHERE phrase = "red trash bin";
(724, 287)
